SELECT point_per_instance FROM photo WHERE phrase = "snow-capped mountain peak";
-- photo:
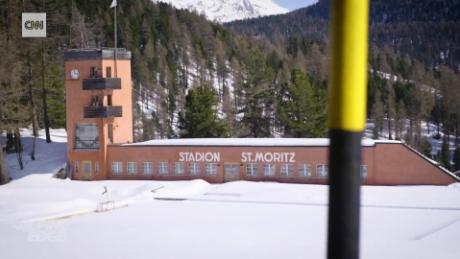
(229, 10)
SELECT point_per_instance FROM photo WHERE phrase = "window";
(163, 168)
(68, 168)
(108, 72)
(179, 168)
(76, 167)
(304, 170)
(211, 169)
(322, 171)
(110, 133)
(109, 100)
(132, 168)
(148, 168)
(194, 168)
(231, 170)
(86, 136)
(96, 167)
(87, 167)
(117, 168)
(96, 101)
(251, 169)
(363, 171)
(269, 169)
(95, 72)
(287, 169)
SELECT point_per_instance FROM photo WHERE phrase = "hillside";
(426, 30)
(258, 86)
(414, 61)
(177, 50)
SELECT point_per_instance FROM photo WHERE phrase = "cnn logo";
(33, 25)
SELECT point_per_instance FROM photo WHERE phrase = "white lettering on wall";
(268, 157)
(199, 156)
(291, 157)
(246, 157)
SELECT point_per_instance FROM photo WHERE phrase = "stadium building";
(100, 141)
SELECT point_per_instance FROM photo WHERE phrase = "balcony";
(101, 83)
(103, 112)
(86, 144)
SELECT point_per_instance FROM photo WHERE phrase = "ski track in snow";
(437, 229)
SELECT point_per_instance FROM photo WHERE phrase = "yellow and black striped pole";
(347, 116)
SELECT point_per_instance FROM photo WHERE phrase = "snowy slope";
(229, 10)
(43, 217)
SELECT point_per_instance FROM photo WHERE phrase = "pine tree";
(18, 147)
(55, 89)
(425, 147)
(450, 99)
(437, 116)
(33, 111)
(4, 176)
(14, 110)
(444, 157)
(147, 128)
(390, 108)
(200, 120)
(258, 95)
(457, 159)
(297, 110)
(377, 114)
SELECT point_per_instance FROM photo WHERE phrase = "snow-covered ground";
(44, 217)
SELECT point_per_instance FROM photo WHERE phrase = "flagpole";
(115, 37)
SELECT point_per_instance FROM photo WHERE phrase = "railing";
(103, 112)
(101, 83)
(86, 144)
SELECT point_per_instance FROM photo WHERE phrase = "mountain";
(228, 10)
(428, 30)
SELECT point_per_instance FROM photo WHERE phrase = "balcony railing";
(101, 83)
(87, 144)
(103, 111)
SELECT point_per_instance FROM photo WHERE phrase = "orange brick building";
(100, 136)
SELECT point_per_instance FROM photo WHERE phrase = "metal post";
(115, 40)
(347, 115)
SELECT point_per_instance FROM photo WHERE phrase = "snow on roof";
(249, 142)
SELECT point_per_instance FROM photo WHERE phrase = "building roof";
(95, 54)
(256, 142)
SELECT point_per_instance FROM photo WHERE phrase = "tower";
(98, 108)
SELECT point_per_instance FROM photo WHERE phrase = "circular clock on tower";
(74, 74)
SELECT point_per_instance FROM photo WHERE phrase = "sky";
(295, 4)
